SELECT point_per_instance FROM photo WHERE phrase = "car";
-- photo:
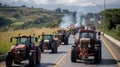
(23, 49)
(87, 45)
(48, 42)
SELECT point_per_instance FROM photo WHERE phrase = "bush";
(118, 29)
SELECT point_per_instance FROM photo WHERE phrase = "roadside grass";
(5, 36)
(18, 23)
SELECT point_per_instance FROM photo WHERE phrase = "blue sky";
(74, 5)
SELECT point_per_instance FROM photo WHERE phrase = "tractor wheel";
(16, 62)
(100, 50)
(73, 55)
(38, 56)
(97, 55)
(66, 41)
(32, 60)
(42, 50)
(54, 48)
(8, 60)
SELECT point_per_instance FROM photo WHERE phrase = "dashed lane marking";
(62, 58)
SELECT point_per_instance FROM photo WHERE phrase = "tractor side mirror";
(39, 36)
(36, 39)
(99, 33)
(10, 39)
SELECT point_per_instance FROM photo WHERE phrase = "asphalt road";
(63, 57)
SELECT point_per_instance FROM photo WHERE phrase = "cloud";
(63, 2)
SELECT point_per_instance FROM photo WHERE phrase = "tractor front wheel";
(8, 60)
(32, 59)
(38, 56)
(97, 55)
(73, 55)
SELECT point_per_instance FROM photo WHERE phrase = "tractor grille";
(84, 44)
(20, 53)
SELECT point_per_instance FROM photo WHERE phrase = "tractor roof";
(20, 36)
(87, 30)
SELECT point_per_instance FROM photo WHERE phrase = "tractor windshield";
(87, 35)
(48, 37)
(25, 40)
(61, 31)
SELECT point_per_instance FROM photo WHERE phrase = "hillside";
(22, 17)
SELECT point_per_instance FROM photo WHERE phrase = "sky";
(74, 5)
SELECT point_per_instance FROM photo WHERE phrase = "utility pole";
(104, 16)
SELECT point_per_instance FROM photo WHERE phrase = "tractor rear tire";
(100, 50)
(54, 48)
(16, 62)
(32, 60)
(73, 54)
(97, 55)
(42, 50)
(38, 56)
(8, 60)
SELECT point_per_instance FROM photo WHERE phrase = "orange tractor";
(87, 45)
(24, 49)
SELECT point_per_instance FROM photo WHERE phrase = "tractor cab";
(47, 37)
(26, 40)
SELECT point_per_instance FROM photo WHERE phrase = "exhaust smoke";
(67, 20)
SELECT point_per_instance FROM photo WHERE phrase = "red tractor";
(24, 49)
(87, 45)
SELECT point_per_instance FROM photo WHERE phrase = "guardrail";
(2, 57)
(112, 40)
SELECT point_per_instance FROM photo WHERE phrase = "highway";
(110, 57)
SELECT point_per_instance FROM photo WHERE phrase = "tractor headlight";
(30, 53)
(89, 45)
(78, 45)
(46, 41)
(18, 52)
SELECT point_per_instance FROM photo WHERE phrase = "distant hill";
(22, 17)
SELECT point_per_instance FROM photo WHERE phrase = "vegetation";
(25, 20)
(5, 36)
(22, 17)
(112, 22)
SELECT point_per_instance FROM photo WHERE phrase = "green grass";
(4, 47)
(18, 23)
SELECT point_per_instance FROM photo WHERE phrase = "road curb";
(2, 57)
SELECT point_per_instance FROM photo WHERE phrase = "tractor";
(23, 49)
(87, 45)
(48, 42)
(63, 36)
